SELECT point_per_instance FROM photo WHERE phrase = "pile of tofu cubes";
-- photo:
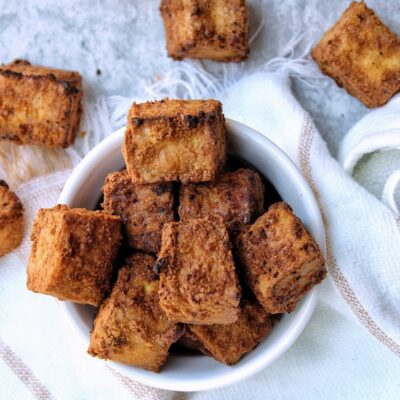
(182, 249)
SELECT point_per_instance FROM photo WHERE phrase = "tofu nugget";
(280, 259)
(229, 343)
(130, 326)
(72, 254)
(362, 55)
(175, 140)
(213, 29)
(237, 197)
(144, 209)
(11, 220)
(198, 281)
(39, 105)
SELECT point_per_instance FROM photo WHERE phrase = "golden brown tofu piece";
(229, 343)
(130, 326)
(361, 54)
(39, 105)
(175, 140)
(213, 29)
(280, 259)
(11, 220)
(144, 209)
(237, 197)
(198, 280)
(73, 250)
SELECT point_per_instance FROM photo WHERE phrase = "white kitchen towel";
(334, 358)
(377, 134)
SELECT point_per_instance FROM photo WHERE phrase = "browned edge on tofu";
(361, 54)
(280, 259)
(175, 140)
(51, 119)
(72, 255)
(229, 343)
(210, 29)
(144, 209)
(11, 219)
(130, 326)
(237, 197)
(198, 280)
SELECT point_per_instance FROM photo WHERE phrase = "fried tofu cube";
(361, 54)
(73, 250)
(130, 326)
(198, 280)
(144, 209)
(237, 197)
(39, 105)
(175, 140)
(212, 29)
(280, 260)
(11, 220)
(229, 343)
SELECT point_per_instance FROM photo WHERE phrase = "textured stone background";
(119, 44)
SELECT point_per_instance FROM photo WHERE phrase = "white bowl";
(196, 372)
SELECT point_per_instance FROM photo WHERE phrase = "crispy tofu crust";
(229, 343)
(144, 209)
(175, 140)
(198, 280)
(280, 259)
(72, 254)
(11, 220)
(361, 54)
(212, 29)
(237, 197)
(130, 326)
(39, 105)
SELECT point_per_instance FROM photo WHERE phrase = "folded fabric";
(377, 131)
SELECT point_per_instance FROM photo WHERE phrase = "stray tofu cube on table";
(211, 29)
(39, 105)
(361, 54)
